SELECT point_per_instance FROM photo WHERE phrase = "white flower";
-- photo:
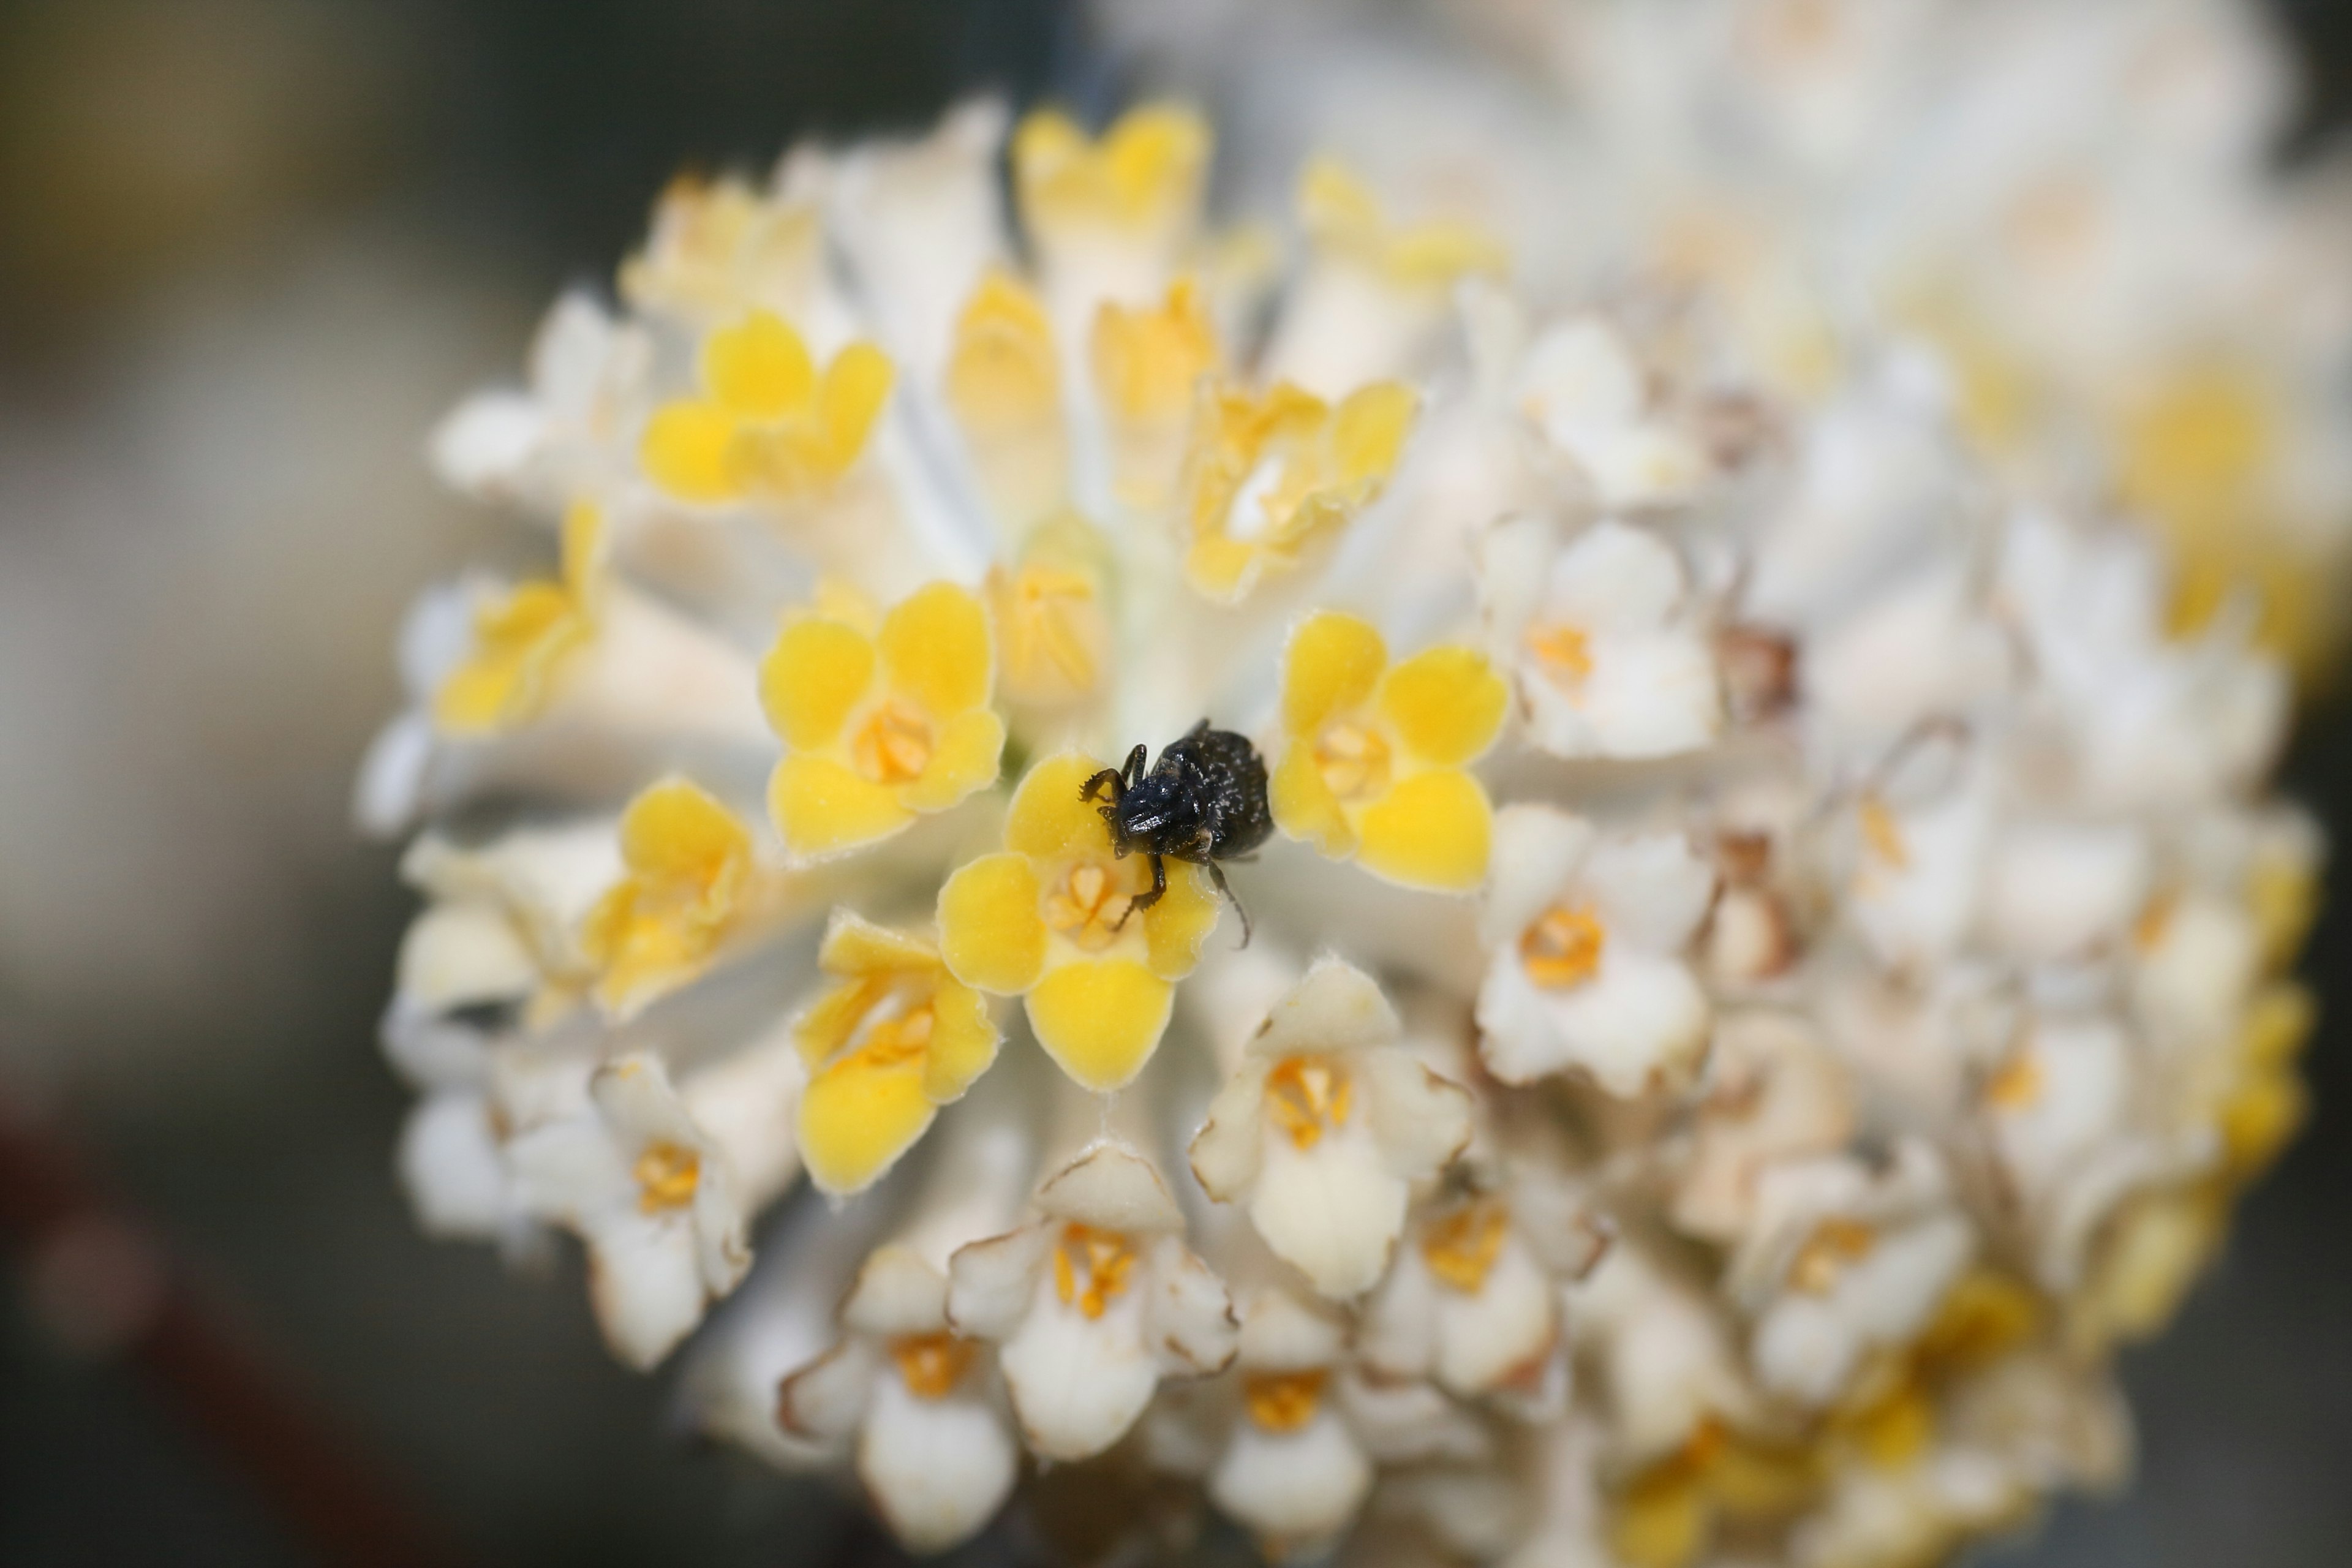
(648, 1191)
(541, 446)
(917, 1402)
(1582, 388)
(1589, 934)
(1607, 657)
(1468, 1306)
(1773, 1092)
(1291, 1471)
(1093, 1305)
(1327, 1128)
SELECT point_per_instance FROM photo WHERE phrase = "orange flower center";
(1307, 1095)
(1834, 1244)
(1461, 1248)
(1354, 760)
(1562, 949)
(1284, 1401)
(1089, 905)
(1562, 653)
(893, 745)
(1103, 1257)
(930, 1365)
(901, 1037)
(667, 1177)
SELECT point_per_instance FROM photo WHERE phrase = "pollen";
(1354, 759)
(1462, 1247)
(893, 745)
(667, 1174)
(1284, 1401)
(1090, 906)
(1307, 1096)
(1562, 949)
(1834, 1244)
(930, 1365)
(1103, 1258)
(1562, 652)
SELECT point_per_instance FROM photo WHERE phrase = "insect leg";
(1135, 767)
(1145, 901)
(1108, 779)
(1217, 875)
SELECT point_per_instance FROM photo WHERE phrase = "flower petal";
(1047, 817)
(1432, 831)
(963, 760)
(684, 451)
(856, 384)
(1100, 1018)
(821, 808)
(1180, 922)
(935, 648)
(1368, 429)
(1446, 704)
(816, 672)
(860, 1115)
(1332, 664)
(1304, 806)
(963, 1042)
(759, 368)
(990, 933)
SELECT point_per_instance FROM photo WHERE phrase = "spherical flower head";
(1374, 764)
(884, 718)
(894, 1039)
(691, 873)
(1054, 919)
(1273, 477)
(768, 424)
(522, 638)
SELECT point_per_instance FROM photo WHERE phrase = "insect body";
(1203, 801)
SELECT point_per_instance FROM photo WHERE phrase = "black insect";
(1203, 801)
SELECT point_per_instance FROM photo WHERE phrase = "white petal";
(485, 446)
(1640, 1020)
(744, 1106)
(1653, 890)
(1420, 1120)
(1079, 1383)
(992, 1284)
(826, 1400)
(1188, 1316)
(1578, 370)
(1295, 1489)
(1614, 578)
(571, 1170)
(1111, 1187)
(1333, 1212)
(937, 1469)
(647, 1282)
(391, 781)
(1537, 851)
(897, 1293)
(1337, 1008)
(2056, 891)
(450, 1163)
(461, 954)
(1226, 1151)
(1499, 1335)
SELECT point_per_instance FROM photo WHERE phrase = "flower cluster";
(1771, 963)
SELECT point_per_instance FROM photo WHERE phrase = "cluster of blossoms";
(1771, 965)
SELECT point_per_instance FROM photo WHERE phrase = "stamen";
(930, 1365)
(2017, 1085)
(1090, 906)
(1305, 1096)
(1354, 760)
(1562, 949)
(1834, 1244)
(1284, 1401)
(1462, 1247)
(668, 1175)
(895, 744)
(1883, 833)
(1106, 1258)
(1562, 652)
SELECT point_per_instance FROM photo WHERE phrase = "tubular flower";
(1804, 936)
(768, 423)
(1053, 918)
(884, 719)
(1375, 757)
(896, 1039)
(1272, 477)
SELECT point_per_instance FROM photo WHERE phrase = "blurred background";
(249, 251)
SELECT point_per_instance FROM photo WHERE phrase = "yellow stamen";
(1107, 1259)
(1090, 906)
(893, 745)
(1149, 361)
(1834, 1244)
(930, 1365)
(1562, 949)
(1354, 760)
(2016, 1085)
(1462, 1247)
(1305, 1096)
(1562, 652)
(2148, 932)
(667, 1174)
(1883, 833)
(1284, 1401)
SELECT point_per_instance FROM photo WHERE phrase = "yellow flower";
(1373, 757)
(520, 641)
(1052, 625)
(1342, 215)
(898, 1037)
(1270, 477)
(767, 425)
(883, 718)
(1005, 388)
(1052, 918)
(689, 876)
(1148, 362)
(1144, 173)
(718, 244)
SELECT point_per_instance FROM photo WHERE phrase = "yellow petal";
(990, 933)
(816, 672)
(1332, 664)
(828, 1022)
(1099, 1020)
(1047, 818)
(1304, 806)
(1446, 704)
(1431, 831)
(1368, 430)
(936, 650)
(856, 384)
(963, 1042)
(685, 452)
(1217, 566)
(963, 759)
(855, 945)
(678, 829)
(860, 1115)
(758, 369)
(821, 808)
(1180, 922)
